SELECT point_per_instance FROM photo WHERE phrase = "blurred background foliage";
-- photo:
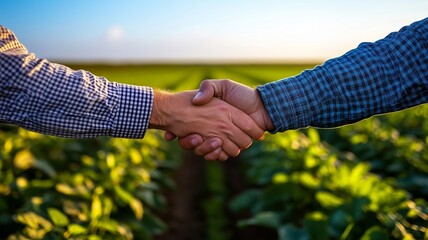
(100, 188)
(363, 181)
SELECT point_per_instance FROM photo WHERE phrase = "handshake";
(218, 121)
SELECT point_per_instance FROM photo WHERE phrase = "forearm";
(388, 75)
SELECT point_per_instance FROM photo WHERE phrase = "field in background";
(185, 77)
(364, 181)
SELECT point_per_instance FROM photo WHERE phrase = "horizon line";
(190, 62)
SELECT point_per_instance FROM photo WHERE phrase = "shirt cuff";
(273, 103)
(132, 113)
(292, 102)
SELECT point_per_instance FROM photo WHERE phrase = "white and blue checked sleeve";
(385, 76)
(53, 99)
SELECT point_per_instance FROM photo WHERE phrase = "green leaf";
(135, 156)
(65, 189)
(24, 159)
(358, 172)
(109, 225)
(265, 219)
(347, 231)
(33, 233)
(375, 233)
(96, 207)
(313, 135)
(328, 200)
(289, 231)
(279, 178)
(45, 167)
(37, 183)
(33, 220)
(311, 161)
(125, 232)
(95, 237)
(111, 161)
(76, 229)
(308, 180)
(137, 208)
(57, 217)
(123, 194)
(107, 205)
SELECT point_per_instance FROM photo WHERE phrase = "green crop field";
(184, 77)
(363, 181)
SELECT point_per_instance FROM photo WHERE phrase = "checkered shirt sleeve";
(385, 76)
(53, 99)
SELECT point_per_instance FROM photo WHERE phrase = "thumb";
(206, 92)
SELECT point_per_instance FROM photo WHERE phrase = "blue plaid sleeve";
(385, 76)
(53, 99)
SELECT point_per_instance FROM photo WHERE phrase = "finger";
(207, 91)
(230, 148)
(191, 141)
(247, 125)
(169, 136)
(214, 155)
(209, 145)
(240, 139)
(223, 156)
(218, 154)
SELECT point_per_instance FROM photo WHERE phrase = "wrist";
(160, 111)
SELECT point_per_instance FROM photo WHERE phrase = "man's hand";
(243, 97)
(236, 94)
(226, 126)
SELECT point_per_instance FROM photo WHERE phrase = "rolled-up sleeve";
(53, 99)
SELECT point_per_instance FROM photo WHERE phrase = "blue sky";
(211, 31)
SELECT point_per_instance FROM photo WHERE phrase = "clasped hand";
(217, 121)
